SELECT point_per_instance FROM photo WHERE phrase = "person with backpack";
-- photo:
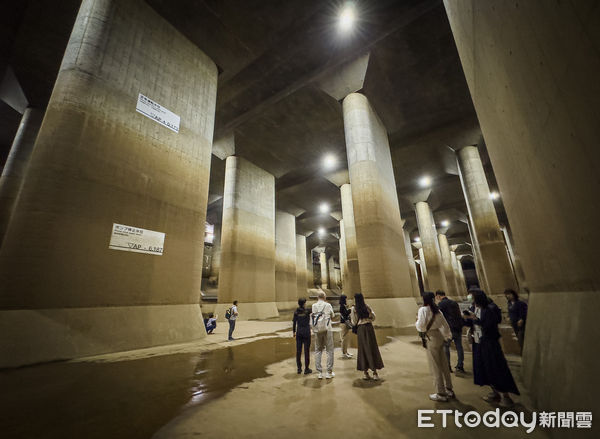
(435, 331)
(320, 322)
(451, 312)
(489, 364)
(231, 315)
(362, 316)
(345, 326)
(301, 330)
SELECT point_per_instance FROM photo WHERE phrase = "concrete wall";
(215, 263)
(352, 284)
(97, 162)
(285, 260)
(533, 69)
(301, 268)
(248, 239)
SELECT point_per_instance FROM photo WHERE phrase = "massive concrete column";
(384, 275)
(343, 257)
(301, 269)
(436, 279)
(334, 274)
(98, 162)
(286, 286)
(412, 265)
(459, 280)
(215, 265)
(534, 89)
(477, 259)
(16, 164)
(423, 268)
(324, 270)
(482, 214)
(248, 241)
(447, 265)
(352, 285)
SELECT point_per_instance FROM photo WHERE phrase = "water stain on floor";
(133, 399)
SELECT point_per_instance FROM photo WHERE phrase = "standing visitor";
(231, 315)
(368, 357)
(320, 321)
(517, 313)
(301, 330)
(345, 325)
(489, 364)
(451, 312)
(435, 330)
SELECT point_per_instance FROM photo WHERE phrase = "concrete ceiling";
(272, 55)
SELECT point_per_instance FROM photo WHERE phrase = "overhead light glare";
(324, 208)
(425, 181)
(329, 161)
(445, 223)
(494, 195)
(321, 231)
(417, 239)
(347, 18)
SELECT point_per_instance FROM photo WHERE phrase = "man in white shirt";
(232, 319)
(320, 322)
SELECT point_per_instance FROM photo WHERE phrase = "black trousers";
(300, 341)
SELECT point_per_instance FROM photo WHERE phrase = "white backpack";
(320, 321)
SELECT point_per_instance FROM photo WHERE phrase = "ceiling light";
(321, 231)
(417, 239)
(425, 181)
(347, 18)
(324, 208)
(329, 161)
(445, 223)
(494, 195)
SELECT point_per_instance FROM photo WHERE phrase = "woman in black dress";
(489, 364)
(345, 326)
(368, 352)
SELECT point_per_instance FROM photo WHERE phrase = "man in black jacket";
(301, 329)
(451, 312)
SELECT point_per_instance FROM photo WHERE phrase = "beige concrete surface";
(397, 312)
(324, 270)
(352, 284)
(249, 310)
(447, 265)
(97, 162)
(436, 280)
(412, 265)
(301, 268)
(285, 257)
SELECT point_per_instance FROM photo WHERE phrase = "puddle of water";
(133, 399)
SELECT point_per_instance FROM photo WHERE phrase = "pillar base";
(250, 310)
(37, 336)
(287, 306)
(397, 312)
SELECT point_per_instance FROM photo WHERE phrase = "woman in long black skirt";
(369, 357)
(489, 364)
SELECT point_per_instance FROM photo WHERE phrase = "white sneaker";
(320, 376)
(348, 355)
(437, 397)
(329, 375)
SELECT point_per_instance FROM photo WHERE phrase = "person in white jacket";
(320, 322)
(432, 324)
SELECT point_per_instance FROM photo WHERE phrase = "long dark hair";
(343, 299)
(361, 307)
(480, 299)
(429, 300)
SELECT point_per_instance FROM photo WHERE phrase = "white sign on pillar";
(157, 112)
(134, 239)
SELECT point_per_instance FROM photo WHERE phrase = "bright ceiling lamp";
(321, 231)
(445, 223)
(494, 195)
(329, 161)
(324, 208)
(347, 18)
(425, 181)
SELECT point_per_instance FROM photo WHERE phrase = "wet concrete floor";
(132, 399)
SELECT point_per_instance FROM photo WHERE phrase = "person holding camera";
(434, 331)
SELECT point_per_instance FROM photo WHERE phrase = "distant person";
(320, 322)
(301, 330)
(231, 315)
(451, 312)
(432, 324)
(211, 323)
(517, 313)
(489, 364)
(346, 326)
(362, 317)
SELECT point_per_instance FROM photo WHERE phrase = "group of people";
(439, 322)
(358, 319)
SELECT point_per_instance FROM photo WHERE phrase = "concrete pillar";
(423, 268)
(286, 287)
(461, 288)
(447, 265)
(324, 270)
(248, 241)
(482, 214)
(479, 271)
(215, 265)
(310, 270)
(533, 88)
(16, 164)
(352, 285)
(384, 276)
(429, 240)
(97, 162)
(334, 273)
(301, 268)
(412, 266)
(343, 257)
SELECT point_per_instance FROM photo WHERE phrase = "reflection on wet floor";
(131, 399)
